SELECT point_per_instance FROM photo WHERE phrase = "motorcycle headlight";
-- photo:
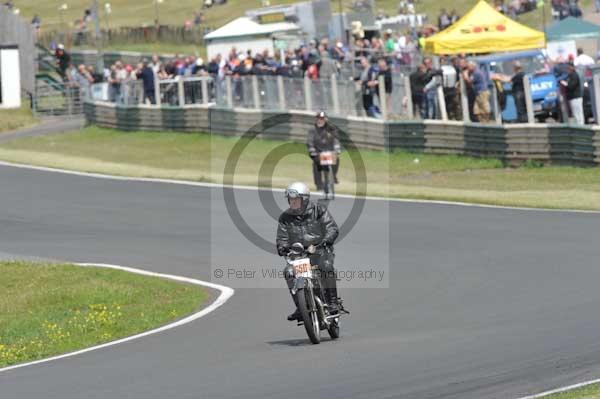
(551, 95)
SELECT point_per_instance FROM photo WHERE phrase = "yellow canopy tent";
(484, 30)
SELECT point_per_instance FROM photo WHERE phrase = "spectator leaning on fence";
(146, 74)
(449, 85)
(417, 86)
(117, 76)
(583, 59)
(481, 108)
(328, 66)
(464, 70)
(572, 83)
(368, 81)
(432, 82)
(518, 90)
(386, 74)
(82, 79)
(98, 77)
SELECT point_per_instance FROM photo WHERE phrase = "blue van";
(544, 84)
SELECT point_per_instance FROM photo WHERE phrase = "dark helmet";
(298, 190)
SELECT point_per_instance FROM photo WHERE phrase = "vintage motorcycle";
(327, 159)
(311, 296)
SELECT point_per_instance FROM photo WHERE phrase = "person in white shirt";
(401, 43)
(583, 59)
(155, 64)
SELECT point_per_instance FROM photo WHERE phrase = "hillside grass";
(142, 12)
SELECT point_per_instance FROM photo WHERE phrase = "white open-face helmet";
(321, 119)
(298, 190)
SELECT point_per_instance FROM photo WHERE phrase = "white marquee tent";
(246, 34)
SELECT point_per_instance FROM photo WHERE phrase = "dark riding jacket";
(314, 226)
(322, 139)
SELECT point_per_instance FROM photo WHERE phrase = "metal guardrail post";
(442, 103)
(255, 93)
(334, 94)
(528, 99)
(204, 85)
(596, 82)
(308, 93)
(464, 100)
(409, 102)
(180, 91)
(281, 92)
(229, 91)
(496, 105)
(139, 94)
(382, 98)
(157, 90)
(34, 102)
(69, 91)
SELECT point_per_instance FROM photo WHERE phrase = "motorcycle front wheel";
(331, 183)
(309, 315)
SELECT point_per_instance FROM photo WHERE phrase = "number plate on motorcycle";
(302, 267)
(327, 158)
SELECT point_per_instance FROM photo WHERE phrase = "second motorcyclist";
(323, 137)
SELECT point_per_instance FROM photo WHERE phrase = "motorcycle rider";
(312, 225)
(323, 138)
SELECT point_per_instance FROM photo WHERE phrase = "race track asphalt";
(482, 303)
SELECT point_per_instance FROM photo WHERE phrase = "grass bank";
(200, 157)
(49, 309)
(589, 392)
(11, 119)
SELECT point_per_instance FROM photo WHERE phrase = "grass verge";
(201, 157)
(589, 392)
(11, 119)
(49, 309)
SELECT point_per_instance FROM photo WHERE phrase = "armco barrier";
(514, 144)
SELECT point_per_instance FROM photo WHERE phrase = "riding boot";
(335, 171)
(331, 295)
(296, 315)
(317, 175)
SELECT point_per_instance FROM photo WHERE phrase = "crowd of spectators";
(562, 9)
(319, 60)
(426, 80)
(513, 8)
(315, 60)
(366, 61)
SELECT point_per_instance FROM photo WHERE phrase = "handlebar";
(305, 251)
